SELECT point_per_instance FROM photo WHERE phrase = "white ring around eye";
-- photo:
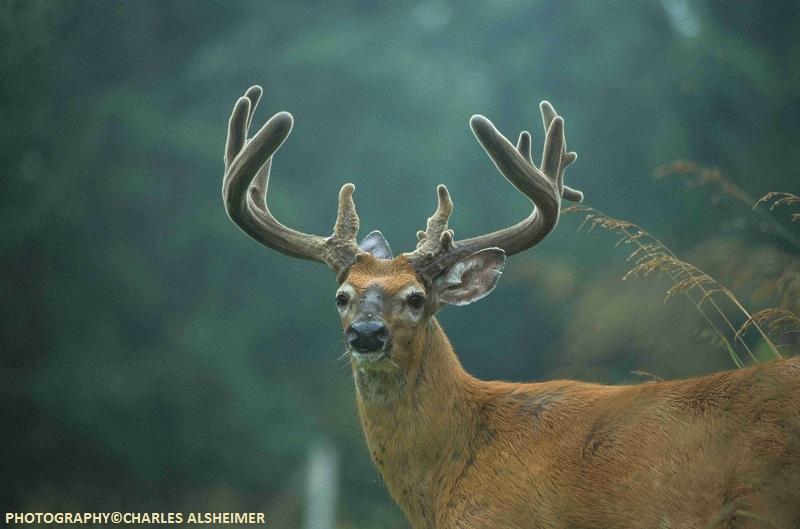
(408, 291)
(403, 295)
(348, 291)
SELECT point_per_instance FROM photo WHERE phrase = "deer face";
(385, 304)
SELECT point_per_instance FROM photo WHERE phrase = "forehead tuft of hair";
(392, 275)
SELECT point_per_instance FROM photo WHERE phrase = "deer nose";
(367, 336)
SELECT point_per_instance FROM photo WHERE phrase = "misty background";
(153, 358)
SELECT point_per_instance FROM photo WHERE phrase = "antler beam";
(245, 186)
(543, 185)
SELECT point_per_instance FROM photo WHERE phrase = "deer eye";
(342, 300)
(416, 301)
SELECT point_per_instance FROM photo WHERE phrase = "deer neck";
(413, 420)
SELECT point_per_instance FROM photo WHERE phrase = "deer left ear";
(377, 245)
(471, 278)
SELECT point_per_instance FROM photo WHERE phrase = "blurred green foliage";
(154, 358)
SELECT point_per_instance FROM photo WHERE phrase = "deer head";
(386, 302)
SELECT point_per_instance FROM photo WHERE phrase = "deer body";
(455, 451)
(459, 453)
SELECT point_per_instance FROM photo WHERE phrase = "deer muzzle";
(368, 336)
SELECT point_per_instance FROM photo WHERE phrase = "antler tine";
(254, 94)
(567, 158)
(429, 240)
(246, 182)
(542, 185)
(524, 146)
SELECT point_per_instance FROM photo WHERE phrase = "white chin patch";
(368, 358)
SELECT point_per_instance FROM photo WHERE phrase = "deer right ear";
(470, 278)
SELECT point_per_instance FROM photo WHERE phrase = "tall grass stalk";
(650, 256)
(775, 320)
(776, 199)
(698, 176)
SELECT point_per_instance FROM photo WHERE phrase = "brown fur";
(458, 452)
(393, 275)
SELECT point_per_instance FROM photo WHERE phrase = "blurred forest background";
(156, 359)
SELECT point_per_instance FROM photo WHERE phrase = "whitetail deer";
(457, 452)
